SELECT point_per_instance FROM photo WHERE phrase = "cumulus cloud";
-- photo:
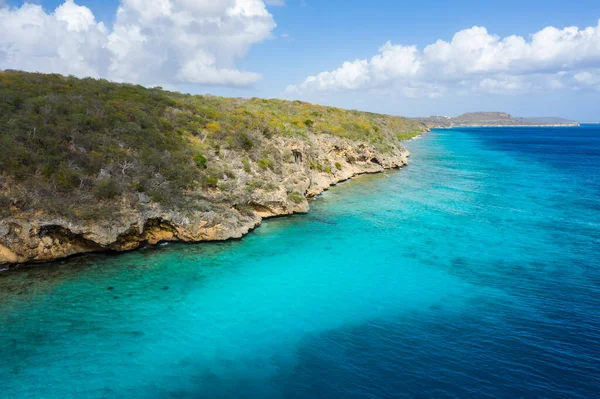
(158, 42)
(589, 78)
(474, 60)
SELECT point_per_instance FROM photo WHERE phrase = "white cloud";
(475, 61)
(589, 78)
(158, 42)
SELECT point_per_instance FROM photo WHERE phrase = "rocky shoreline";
(37, 237)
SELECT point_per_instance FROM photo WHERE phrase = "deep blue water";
(474, 272)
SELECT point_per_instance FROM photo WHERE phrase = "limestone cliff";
(39, 237)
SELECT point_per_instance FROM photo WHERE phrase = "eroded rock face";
(310, 166)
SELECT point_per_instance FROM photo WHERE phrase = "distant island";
(492, 119)
(89, 165)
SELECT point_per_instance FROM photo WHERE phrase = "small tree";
(200, 161)
(107, 189)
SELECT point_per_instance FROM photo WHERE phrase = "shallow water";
(474, 272)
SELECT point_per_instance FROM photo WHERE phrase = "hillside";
(547, 119)
(492, 119)
(89, 165)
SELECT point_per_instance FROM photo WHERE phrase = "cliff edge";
(90, 166)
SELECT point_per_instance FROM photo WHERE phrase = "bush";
(408, 135)
(244, 141)
(247, 167)
(210, 182)
(213, 127)
(254, 184)
(107, 189)
(5, 204)
(296, 198)
(338, 165)
(66, 179)
(309, 122)
(200, 161)
(266, 163)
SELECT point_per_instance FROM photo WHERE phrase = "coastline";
(7, 267)
(51, 239)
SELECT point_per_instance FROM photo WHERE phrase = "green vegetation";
(77, 147)
(246, 165)
(265, 163)
(107, 189)
(210, 181)
(321, 167)
(200, 161)
(255, 184)
(296, 198)
(409, 135)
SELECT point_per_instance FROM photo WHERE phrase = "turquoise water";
(474, 272)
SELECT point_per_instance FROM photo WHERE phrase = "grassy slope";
(88, 142)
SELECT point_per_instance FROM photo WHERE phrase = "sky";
(418, 58)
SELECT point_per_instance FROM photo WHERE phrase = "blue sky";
(305, 38)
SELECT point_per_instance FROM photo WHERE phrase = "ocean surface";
(473, 272)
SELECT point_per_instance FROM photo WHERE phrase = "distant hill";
(492, 119)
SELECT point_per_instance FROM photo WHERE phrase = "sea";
(474, 272)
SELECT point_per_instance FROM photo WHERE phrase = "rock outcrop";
(308, 166)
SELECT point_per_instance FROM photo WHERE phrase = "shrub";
(338, 165)
(227, 186)
(408, 135)
(296, 198)
(247, 167)
(107, 189)
(5, 203)
(213, 127)
(140, 187)
(318, 166)
(210, 182)
(309, 122)
(254, 184)
(266, 163)
(200, 161)
(66, 179)
(267, 132)
(244, 141)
